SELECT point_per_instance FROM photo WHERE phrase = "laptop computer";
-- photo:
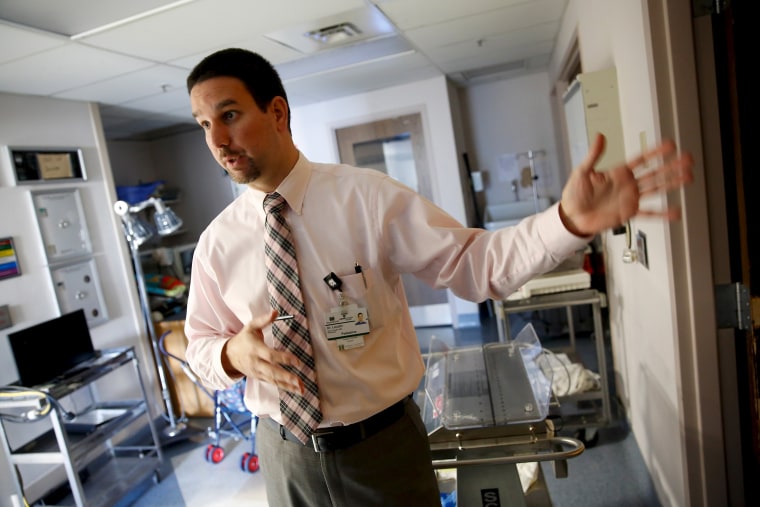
(52, 350)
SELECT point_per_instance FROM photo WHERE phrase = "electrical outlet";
(641, 248)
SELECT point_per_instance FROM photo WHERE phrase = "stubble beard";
(250, 175)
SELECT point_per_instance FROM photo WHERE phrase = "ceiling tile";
(275, 53)
(195, 27)
(488, 59)
(495, 46)
(69, 17)
(142, 83)
(16, 42)
(163, 102)
(483, 25)
(64, 68)
(409, 14)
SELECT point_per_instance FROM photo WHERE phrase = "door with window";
(396, 147)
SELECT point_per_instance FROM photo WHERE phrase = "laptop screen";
(47, 350)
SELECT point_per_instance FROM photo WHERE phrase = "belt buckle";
(315, 439)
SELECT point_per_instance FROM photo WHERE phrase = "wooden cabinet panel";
(186, 395)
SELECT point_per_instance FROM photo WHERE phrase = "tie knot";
(273, 203)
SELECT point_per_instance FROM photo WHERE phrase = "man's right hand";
(246, 354)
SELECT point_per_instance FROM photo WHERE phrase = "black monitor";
(47, 350)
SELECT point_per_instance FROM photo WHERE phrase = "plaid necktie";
(301, 414)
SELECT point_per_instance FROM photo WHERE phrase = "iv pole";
(531, 154)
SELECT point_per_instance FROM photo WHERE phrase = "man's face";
(242, 138)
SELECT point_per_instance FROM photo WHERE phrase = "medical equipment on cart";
(485, 411)
(231, 417)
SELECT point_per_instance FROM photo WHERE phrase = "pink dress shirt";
(341, 215)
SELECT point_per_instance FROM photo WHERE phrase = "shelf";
(46, 165)
(108, 361)
(95, 463)
(79, 444)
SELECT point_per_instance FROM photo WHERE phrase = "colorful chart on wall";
(8, 260)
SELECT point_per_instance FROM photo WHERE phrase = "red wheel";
(214, 453)
(217, 455)
(253, 464)
(249, 463)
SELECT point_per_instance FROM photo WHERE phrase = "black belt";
(341, 437)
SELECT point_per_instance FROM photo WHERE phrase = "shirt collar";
(293, 187)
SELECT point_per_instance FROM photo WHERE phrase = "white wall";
(41, 122)
(642, 314)
(508, 117)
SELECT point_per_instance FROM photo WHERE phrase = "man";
(354, 232)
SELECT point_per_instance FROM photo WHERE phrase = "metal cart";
(584, 412)
(485, 411)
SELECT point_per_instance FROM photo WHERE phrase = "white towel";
(568, 377)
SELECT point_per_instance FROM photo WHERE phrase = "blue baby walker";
(231, 416)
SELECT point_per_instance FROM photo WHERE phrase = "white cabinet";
(110, 448)
(62, 224)
(68, 248)
(77, 286)
(592, 106)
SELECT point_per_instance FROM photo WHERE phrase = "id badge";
(347, 324)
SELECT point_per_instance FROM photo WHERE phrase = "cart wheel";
(214, 453)
(589, 437)
(249, 463)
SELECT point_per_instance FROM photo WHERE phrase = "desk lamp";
(137, 232)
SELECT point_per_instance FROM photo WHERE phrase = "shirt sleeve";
(209, 323)
(476, 264)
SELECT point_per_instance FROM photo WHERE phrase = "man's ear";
(279, 107)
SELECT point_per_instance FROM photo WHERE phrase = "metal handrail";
(576, 448)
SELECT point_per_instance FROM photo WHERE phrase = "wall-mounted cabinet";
(592, 105)
(62, 224)
(68, 248)
(77, 286)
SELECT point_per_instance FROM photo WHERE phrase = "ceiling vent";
(335, 34)
(345, 28)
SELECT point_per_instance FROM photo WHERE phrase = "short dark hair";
(258, 75)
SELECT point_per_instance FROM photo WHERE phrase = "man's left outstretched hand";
(596, 201)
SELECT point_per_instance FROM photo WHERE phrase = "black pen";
(358, 269)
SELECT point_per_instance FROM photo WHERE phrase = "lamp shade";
(137, 229)
(166, 221)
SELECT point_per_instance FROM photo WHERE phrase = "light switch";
(641, 248)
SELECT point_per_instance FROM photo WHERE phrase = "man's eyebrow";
(224, 103)
(220, 105)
